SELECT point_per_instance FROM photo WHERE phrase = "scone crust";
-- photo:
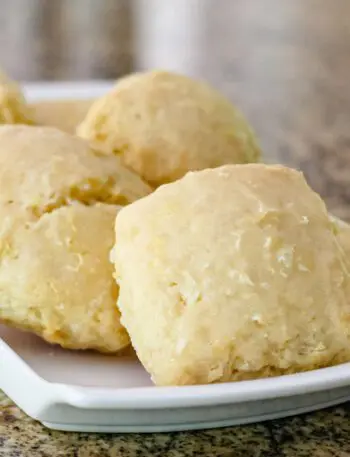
(235, 273)
(164, 124)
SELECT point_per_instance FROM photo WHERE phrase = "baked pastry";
(63, 114)
(164, 124)
(342, 232)
(13, 107)
(58, 202)
(235, 273)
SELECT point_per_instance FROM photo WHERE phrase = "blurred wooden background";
(286, 63)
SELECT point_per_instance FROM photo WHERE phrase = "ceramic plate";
(84, 391)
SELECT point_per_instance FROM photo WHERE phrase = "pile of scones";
(146, 217)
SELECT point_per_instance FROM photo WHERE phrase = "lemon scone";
(164, 124)
(235, 273)
(58, 202)
(342, 232)
(63, 114)
(13, 107)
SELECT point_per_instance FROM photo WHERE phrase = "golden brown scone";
(13, 107)
(63, 114)
(235, 273)
(58, 203)
(164, 124)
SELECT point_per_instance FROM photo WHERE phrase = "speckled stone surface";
(286, 64)
(322, 434)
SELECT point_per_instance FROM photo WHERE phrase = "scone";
(163, 124)
(66, 115)
(58, 202)
(342, 232)
(235, 273)
(13, 107)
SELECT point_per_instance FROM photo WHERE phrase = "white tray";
(40, 91)
(90, 392)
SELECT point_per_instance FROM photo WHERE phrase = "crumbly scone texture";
(13, 107)
(235, 273)
(164, 124)
(65, 115)
(58, 202)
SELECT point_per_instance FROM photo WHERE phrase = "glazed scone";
(342, 231)
(164, 124)
(57, 281)
(58, 202)
(235, 273)
(13, 107)
(66, 115)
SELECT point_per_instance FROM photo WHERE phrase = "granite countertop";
(287, 66)
(321, 434)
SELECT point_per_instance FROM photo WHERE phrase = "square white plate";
(91, 392)
(84, 391)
